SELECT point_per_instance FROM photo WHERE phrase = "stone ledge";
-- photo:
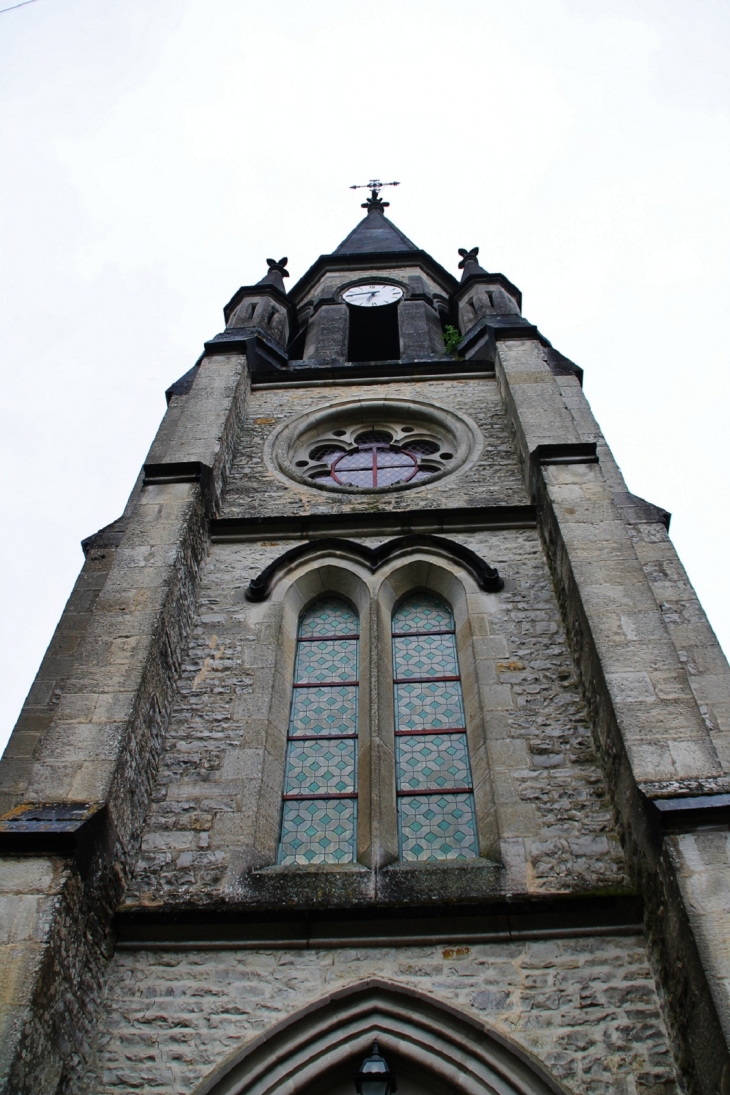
(387, 522)
(688, 813)
(558, 918)
(49, 828)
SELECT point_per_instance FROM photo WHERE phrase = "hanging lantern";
(374, 1077)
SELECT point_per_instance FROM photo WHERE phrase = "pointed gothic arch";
(373, 581)
(449, 1049)
(486, 577)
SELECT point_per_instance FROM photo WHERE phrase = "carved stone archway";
(448, 1047)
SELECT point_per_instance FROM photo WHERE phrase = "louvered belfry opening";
(373, 333)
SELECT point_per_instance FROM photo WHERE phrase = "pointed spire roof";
(375, 242)
(374, 233)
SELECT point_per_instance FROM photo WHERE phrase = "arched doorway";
(433, 1048)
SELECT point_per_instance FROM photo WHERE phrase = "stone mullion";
(383, 826)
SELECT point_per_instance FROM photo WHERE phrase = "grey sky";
(154, 152)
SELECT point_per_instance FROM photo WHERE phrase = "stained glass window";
(319, 816)
(436, 818)
(375, 462)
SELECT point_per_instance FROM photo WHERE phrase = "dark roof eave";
(377, 260)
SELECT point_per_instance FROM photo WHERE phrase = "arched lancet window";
(319, 816)
(436, 818)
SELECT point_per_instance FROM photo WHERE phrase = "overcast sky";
(153, 153)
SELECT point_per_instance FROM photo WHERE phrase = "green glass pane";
(422, 613)
(321, 831)
(437, 827)
(320, 767)
(430, 762)
(428, 706)
(322, 710)
(330, 616)
(327, 660)
(425, 656)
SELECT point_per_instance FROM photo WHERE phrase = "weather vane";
(374, 201)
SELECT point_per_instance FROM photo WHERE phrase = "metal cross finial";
(374, 201)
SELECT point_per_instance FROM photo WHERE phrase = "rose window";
(374, 460)
(373, 445)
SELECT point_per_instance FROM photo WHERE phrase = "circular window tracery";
(373, 446)
(374, 459)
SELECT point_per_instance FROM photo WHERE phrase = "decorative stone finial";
(276, 273)
(469, 263)
(279, 267)
(374, 204)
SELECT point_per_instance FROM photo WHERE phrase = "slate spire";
(375, 232)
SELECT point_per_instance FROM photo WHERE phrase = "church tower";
(384, 714)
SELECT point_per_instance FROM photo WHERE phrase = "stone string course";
(587, 1008)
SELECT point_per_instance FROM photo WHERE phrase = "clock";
(373, 295)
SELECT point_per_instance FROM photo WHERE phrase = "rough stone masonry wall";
(101, 745)
(555, 819)
(494, 480)
(697, 647)
(50, 682)
(599, 570)
(586, 1008)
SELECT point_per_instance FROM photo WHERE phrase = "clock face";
(371, 296)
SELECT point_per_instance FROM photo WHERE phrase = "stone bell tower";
(384, 714)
